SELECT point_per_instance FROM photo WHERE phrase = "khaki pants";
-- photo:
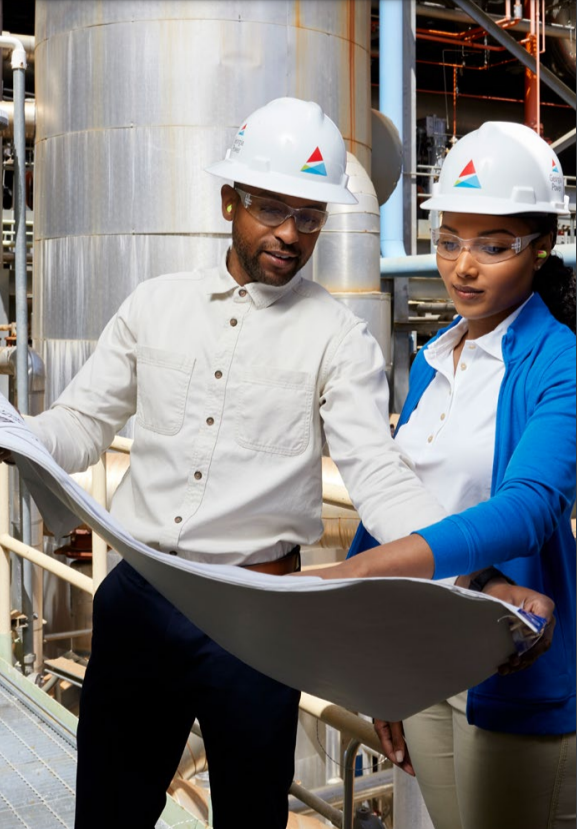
(476, 779)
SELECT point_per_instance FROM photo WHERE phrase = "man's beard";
(251, 264)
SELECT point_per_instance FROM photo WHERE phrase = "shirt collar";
(491, 343)
(220, 281)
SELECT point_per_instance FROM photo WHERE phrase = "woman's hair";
(554, 281)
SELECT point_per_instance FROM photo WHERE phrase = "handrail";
(358, 731)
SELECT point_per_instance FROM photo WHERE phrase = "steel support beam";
(518, 51)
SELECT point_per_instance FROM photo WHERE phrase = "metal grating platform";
(38, 761)
(37, 769)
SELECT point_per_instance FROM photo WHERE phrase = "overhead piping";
(516, 49)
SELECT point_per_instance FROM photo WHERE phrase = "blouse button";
(233, 322)
(242, 292)
(178, 519)
(443, 416)
(218, 374)
(198, 475)
(430, 439)
(463, 366)
(210, 421)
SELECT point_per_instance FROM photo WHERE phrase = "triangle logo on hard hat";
(468, 177)
(315, 164)
(241, 130)
(554, 167)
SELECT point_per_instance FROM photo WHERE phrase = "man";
(236, 375)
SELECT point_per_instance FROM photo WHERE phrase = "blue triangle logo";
(472, 182)
(317, 170)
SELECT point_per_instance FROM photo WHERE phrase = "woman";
(489, 424)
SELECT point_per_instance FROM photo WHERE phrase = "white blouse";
(450, 436)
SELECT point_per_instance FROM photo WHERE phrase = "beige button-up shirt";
(235, 390)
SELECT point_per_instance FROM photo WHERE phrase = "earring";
(541, 254)
(229, 208)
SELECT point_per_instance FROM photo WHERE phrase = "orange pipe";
(488, 98)
(467, 66)
(532, 80)
(422, 36)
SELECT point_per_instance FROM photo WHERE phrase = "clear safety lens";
(487, 250)
(272, 212)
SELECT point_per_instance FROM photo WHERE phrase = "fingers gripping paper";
(384, 647)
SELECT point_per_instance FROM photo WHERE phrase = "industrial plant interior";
(105, 130)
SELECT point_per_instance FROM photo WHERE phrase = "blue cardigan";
(525, 527)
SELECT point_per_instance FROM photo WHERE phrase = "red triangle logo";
(316, 156)
(469, 170)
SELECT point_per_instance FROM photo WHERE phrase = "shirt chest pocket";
(162, 388)
(274, 410)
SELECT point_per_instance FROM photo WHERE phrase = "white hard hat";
(290, 147)
(500, 169)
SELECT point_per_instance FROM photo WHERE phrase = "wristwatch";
(483, 577)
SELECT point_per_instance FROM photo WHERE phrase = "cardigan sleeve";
(538, 485)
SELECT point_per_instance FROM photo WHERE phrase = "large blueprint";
(383, 647)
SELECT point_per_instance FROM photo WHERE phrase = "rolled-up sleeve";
(387, 494)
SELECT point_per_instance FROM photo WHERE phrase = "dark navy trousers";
(151, 674)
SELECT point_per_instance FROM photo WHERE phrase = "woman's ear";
(542, 249)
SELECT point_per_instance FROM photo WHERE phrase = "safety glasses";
(487, 250)
(272, 212)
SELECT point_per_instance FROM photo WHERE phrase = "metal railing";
(358, 731)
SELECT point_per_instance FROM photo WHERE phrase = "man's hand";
(532, 602)
(395, 749)
(6, 456)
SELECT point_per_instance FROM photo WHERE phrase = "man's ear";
(229, 200)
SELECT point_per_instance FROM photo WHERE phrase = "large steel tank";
(134, 99)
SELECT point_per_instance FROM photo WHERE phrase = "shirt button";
(430, 439)
(178, 519)
(242, 292)
(472, 345)
(463, 366)
(233, 322)
(172, 553)
(198, 475)
(218, 374)
(210, 421)
(443, 416)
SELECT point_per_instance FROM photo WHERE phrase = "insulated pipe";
(391, 105)
(426, 264)
(5, 618)
(516, 49)
(29, 118)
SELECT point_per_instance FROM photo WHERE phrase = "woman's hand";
(395, 749)
(532, 602)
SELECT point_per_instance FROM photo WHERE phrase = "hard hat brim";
(284, 185)
(485, 205)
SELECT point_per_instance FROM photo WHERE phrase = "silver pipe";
(367, 786)
(67, 634)
(565, 141)
(440, 13)
(349, 783)
(518, 51)
(30, 579)
(29, 119)
(317, 804)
